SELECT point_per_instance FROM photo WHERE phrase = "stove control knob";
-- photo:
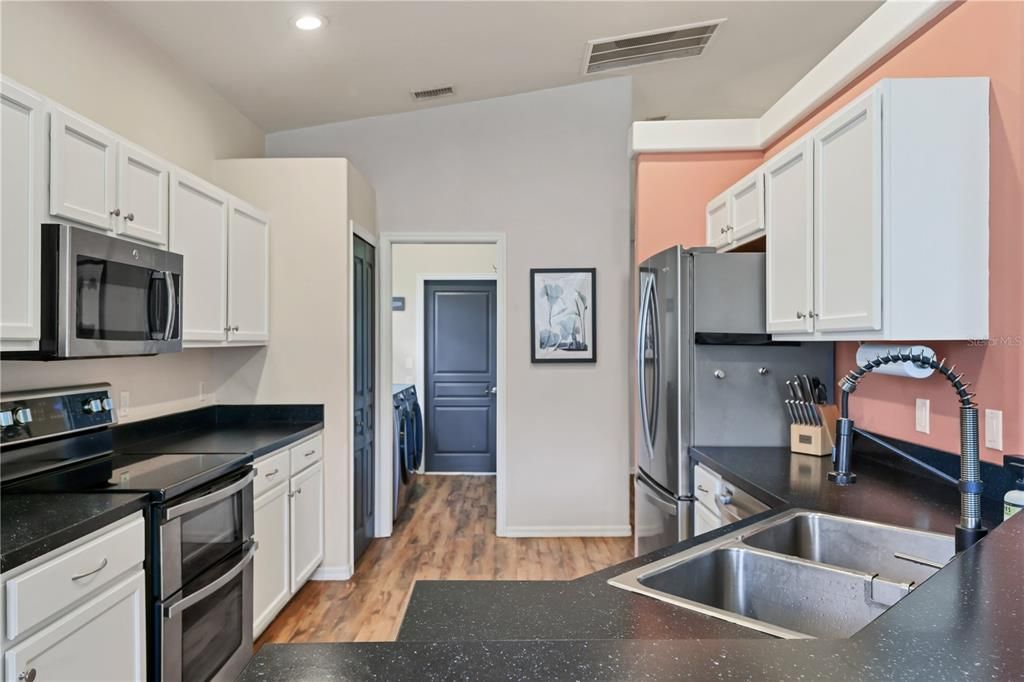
(23, 415)
(108, 404)
(6, 418)
(92, 406)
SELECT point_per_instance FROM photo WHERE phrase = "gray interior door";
(461, 361)
(363, 380)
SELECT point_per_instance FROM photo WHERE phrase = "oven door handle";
(176, 608)
(207, 500)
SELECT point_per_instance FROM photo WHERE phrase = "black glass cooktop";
(164, 475)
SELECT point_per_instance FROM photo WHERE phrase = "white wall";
(307, 358)
(549, 169)
(83, 56)
(408, 262)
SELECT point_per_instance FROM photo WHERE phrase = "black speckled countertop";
(962, 623)
(32, 524)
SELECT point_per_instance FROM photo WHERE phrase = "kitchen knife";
(820, 394)
(808, 390)
(792, 411)
(794, 393)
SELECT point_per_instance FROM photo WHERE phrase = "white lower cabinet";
(307, 523)
(288, 524)
(272, 586)
(104, 639)
(79, 612)
(704, 520)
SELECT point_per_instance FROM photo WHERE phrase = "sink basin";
(799, 575)
(901, 554)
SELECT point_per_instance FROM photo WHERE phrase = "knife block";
(806, 439)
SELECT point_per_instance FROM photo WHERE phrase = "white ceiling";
(371, 55)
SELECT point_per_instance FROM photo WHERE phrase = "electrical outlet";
(202, 391)
(994, 429)
(123, 403)
(923, 418)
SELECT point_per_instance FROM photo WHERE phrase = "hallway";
(446, 533)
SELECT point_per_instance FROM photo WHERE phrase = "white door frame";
(357, 230)
(421, 340)
(384, 349)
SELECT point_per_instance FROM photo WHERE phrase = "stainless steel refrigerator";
(707, 374)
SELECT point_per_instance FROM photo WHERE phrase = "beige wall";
(408, 261)
(81, 55)
(550, 170)
(307, 359)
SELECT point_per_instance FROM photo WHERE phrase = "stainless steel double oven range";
(200, 520)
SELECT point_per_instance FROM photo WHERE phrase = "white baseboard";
(568, 531)
(332, 573)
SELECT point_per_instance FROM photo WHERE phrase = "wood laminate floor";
(447, 532)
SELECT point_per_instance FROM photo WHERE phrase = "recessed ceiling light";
(309, 22)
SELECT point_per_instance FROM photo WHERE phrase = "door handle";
(493, 390)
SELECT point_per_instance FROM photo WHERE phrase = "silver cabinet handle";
(103, 564)
(130, 217)
(235, 328)
(800, 315)
(273, 473)
(703, 489)
(298, 491)
(310, 453)
(811, 313)
(28, 675)
(116, 212)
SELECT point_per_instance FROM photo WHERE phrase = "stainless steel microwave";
(103, 296)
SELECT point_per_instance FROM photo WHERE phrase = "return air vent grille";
(431, 93)
(679, 42)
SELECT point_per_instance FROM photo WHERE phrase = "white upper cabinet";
(736, 216)
(848, 218)
(717, 218)
(199, 232)
(746, 207)
(142, 186)
(248, 274)
(22, 137)
(83, 171)
(900, 244)
(789, 222)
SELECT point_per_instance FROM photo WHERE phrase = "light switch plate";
(922, 420)
(994, 429)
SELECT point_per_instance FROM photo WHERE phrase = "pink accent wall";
(974, 38)
(672, 191)
(990, 42)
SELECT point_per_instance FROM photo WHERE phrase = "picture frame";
(563, 315)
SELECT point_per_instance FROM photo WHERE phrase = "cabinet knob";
(800, 315)
(116, 212)
(719, 374)
(724, 229)
(130, 217)
(28, 675)
(811, 314)
(763, 371)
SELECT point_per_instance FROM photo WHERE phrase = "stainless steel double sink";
(798, 575)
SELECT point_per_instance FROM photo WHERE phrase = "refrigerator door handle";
(667, 505)
(641, 350)
(656, 318)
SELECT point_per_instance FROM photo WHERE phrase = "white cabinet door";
(199, 231)
(746, 207)
(307, 524)
(789, 221)
(104, 639)
(704, 520)
(83, 169)
(271, 585)
(142, 185)
(717, 219)
(248, 274)
(22, 138)
(848, 218)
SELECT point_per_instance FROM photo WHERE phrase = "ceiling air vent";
(679, 42)
(432, 93)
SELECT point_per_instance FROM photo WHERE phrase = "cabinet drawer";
(706, 486)
(52, 587)
(271, 471)
(307, 453)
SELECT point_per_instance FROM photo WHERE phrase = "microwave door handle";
(172, 304)
(176, 608)
(206, 500)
